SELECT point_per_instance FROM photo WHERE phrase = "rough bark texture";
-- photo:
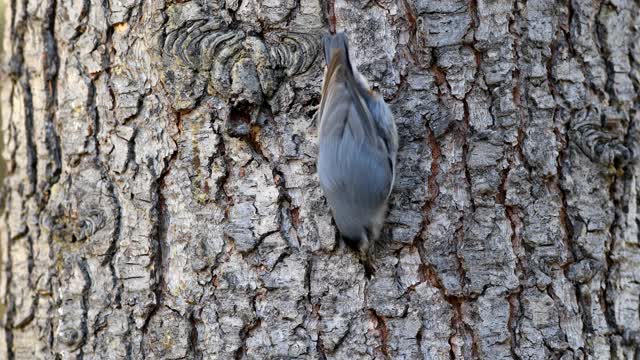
(162, 202)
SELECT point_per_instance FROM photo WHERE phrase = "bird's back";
(355, 172)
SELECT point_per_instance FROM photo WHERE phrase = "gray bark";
(161, 199)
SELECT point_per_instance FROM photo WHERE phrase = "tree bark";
(161, 199)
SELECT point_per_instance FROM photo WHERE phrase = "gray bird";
(358, 147)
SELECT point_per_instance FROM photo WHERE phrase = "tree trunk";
(161, 199)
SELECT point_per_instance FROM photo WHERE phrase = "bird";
(358, 146)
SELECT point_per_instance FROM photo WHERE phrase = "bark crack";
(383, 331)
(32, 153)
(50, 70)
(331, 15)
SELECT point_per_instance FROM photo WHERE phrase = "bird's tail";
(340, 71)
(336, 45)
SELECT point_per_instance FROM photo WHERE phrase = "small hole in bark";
(239, 123)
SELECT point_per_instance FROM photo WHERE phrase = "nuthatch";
(358, 146)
